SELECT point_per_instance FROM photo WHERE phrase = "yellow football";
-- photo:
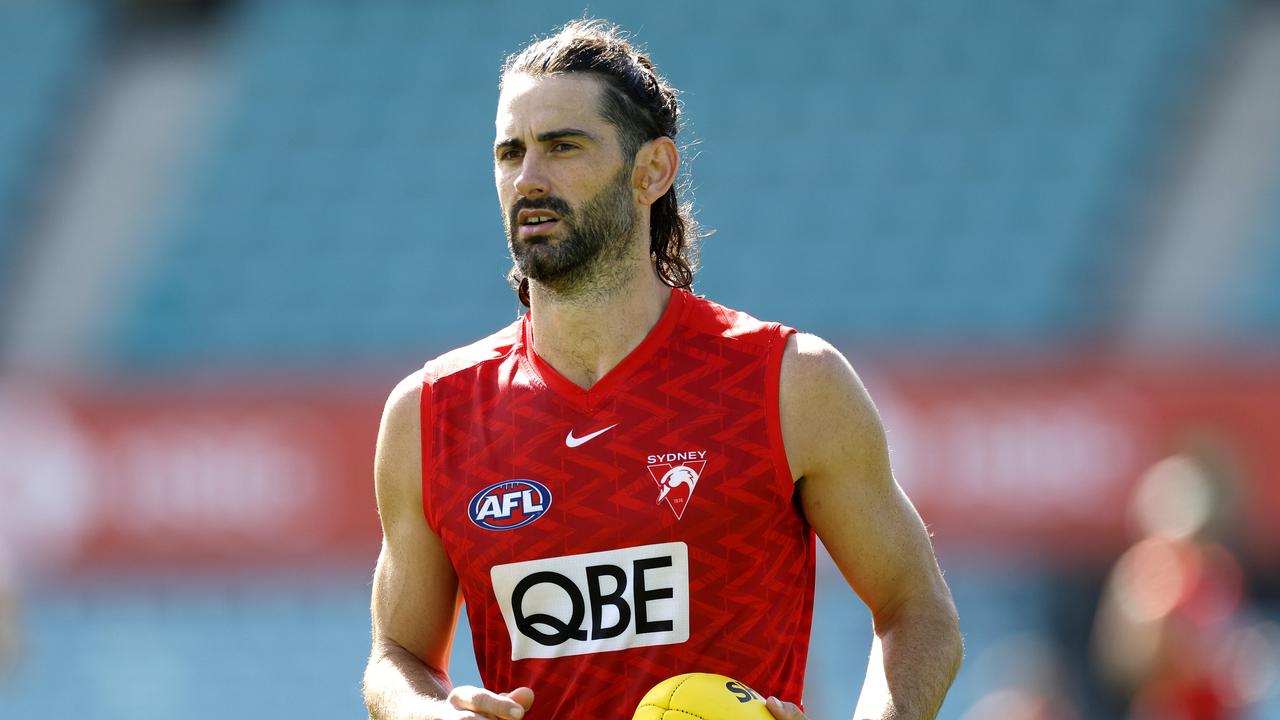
(701, 695)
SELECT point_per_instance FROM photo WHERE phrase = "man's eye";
(511, 155)
(564, 147)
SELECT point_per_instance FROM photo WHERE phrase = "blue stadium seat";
(1254, 315)
(44, 47)
(883, 173)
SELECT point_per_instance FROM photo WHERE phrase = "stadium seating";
(1254, 312)
(887, 173)
(51, 41)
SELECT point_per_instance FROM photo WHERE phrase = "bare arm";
(836, 447)
(415, 591)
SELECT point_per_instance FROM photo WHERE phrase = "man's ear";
(657, 163)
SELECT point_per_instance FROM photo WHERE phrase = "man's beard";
(593, 240)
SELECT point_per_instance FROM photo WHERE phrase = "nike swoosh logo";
(573, 442)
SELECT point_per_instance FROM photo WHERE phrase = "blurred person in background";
(1170, 637)
(578, 585)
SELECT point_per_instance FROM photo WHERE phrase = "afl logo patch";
(509, 504)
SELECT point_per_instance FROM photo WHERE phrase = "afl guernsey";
(609, 538)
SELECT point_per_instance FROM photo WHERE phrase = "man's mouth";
(533, 223)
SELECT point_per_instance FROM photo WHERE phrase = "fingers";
(490, 704)
(522, 695)
(783, 710)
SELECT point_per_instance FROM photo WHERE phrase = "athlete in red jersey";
(624, 484)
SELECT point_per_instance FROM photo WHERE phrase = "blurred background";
(1047, 233)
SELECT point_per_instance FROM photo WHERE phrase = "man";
(623, 485)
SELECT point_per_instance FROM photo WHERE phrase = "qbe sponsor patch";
(595, 602)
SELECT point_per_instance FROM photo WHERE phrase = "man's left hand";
(783, 710)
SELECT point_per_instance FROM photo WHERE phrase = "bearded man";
(625, 483)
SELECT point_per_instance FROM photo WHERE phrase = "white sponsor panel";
(595, 602)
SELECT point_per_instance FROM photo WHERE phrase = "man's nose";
(532, 181)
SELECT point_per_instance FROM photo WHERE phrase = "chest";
(580, 528)
(612, 479)
(520, 472)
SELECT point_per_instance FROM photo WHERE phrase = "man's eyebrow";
(561, 133)
(509, 143)
(548, 136)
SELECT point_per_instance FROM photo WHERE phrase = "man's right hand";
(488, 705)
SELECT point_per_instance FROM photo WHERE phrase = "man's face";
(565, 190)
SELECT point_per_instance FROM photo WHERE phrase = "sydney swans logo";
(676, 475)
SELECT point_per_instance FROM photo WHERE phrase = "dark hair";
(643, 106)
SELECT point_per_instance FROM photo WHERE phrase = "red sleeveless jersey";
(607, 539)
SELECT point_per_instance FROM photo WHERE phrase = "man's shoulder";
(807, 359)
(812, 360)
(492, 347)
(711, 317)
(402, 405)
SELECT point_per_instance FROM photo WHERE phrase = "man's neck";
(586, 337)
